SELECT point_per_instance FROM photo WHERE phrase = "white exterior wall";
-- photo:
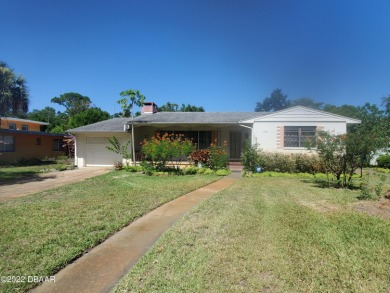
(91, 149)
(267, 135)
(268, 130)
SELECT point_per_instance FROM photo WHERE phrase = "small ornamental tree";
(116, 147)
(341, 155)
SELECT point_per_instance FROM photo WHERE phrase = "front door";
(235, 144)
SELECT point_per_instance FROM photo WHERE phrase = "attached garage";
(97, 153)
(92, 140)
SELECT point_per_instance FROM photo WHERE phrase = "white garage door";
(98, 154)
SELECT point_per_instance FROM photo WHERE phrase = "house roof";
(26, 132)
(163, 118)
(110, 125)
(196, 117)
(301, 113)
(24, 120)
(117, 124)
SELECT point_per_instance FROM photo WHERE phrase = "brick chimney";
(149, 108)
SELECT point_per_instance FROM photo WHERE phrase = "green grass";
(42, 233)
(269, 234)
(14, 173)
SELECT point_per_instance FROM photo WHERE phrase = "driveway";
(47, 181)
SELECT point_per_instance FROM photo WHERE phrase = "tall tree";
(129, 99)
(172, 107)
(191, 108)
(89, 116)
(386, 104)
(168, 107)
(74, 103)
(277, 101)
(14, 93)
(307, 102)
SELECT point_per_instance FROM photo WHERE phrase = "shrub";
(167, 147)
(371, 188)
(147, 168)
(250, 157)
(133, 168)
(384, 161)
(208, 171)
(201, 156)
(218, 157)
(190, 170)
(222, 172)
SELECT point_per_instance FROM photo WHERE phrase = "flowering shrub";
(161, 149)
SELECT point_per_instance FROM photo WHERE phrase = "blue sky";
(222, 55)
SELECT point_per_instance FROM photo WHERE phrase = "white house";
(281, 131)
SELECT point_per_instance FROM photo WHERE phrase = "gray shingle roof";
(110, 125)
(116, 124)
(197, 117)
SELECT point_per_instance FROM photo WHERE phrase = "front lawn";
(42, 233)
(269, 234)
(16, 173)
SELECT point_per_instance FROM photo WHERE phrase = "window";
(12, 126)
(299, 136)
(7, 143)
(58, 144)
(24, 127)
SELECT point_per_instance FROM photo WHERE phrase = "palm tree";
(13, 92)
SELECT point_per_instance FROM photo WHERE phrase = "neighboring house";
(282, 131)
(21, 138)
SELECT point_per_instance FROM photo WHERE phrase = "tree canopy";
(307, 102)
(74, 103)
(172, 107)
(129, 99)
(14, 94)
(277, 101)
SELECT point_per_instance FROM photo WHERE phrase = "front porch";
(230, 137)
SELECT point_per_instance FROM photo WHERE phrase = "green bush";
(250, 157)
(190, 170)
(222, 172)
(132, 168)
(219, 158)
(384, 161)
(208, 171)
(371, 188)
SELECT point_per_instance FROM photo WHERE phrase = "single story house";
(281, 131)
(24, 139)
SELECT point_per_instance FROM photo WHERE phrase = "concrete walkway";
(100, 269)
(45, 181)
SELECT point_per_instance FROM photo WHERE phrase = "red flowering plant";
(201, 157)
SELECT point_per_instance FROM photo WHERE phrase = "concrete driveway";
(47, 181)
